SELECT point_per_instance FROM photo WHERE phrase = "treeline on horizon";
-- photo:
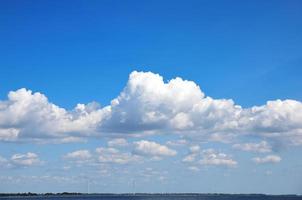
(136, 194)
(39, 194)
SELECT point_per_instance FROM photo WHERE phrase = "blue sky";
(200, 135)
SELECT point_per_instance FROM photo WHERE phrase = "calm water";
(159, 197)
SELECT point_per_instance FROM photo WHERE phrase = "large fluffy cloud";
(27, 115)
(147, 105)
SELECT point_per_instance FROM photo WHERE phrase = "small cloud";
(194, 168)
(150, 148)
(80, 155)
(66, 168)
(262, 147)
(180, 142)
(112, 155)
(100, 156)
(267, 159)
(195, 149)
(118, 142)
(212, 157)
(28, 159)
(194, 152)
(162, 178)
(189, 158)
(208, 157)
(4, 163)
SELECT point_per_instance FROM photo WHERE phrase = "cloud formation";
(138, 151)
(149, 105)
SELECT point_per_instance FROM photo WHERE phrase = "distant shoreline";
(138, 194)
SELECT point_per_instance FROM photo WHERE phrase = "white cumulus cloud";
(28, 115)
(150, 148)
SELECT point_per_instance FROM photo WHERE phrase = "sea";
(159, 197)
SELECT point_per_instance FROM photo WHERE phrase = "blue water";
(158, 197)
